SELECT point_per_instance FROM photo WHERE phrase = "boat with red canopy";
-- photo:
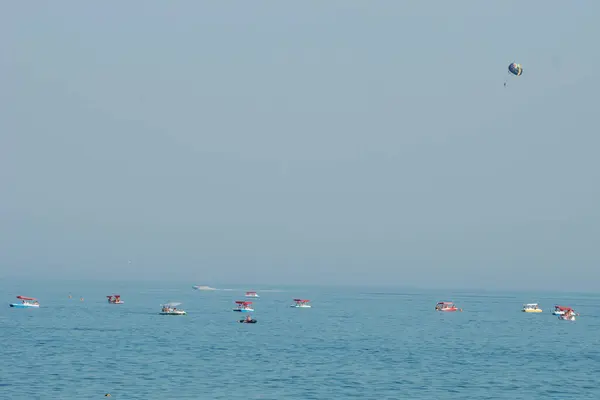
(115, 299)
(243, 306)
(447, 306)
(251, 294)
(301, 303)
(26, 302)
(561, 310)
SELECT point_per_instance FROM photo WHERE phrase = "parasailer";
(514, 69)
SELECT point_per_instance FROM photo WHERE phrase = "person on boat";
(248, 318)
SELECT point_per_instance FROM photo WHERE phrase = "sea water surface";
(361, 343)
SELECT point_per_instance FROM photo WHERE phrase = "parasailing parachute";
(515, 69)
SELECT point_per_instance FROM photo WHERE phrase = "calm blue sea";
(354, 343)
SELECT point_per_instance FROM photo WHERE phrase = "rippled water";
(353, 343)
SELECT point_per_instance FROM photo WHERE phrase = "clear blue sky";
(345, 142)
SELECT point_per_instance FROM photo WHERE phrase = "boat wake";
(204, 288)
(208, 288)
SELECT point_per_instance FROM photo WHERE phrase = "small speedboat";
(115, 299)
(26, 302)
(252, 294)
(243, 306)
(561, 310)
(446, 306)
(531, 308)
(171, 309)
(246, 321)
(301, 303)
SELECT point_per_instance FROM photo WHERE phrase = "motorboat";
(115, 299)
(243, 306)
(26, 302)
(561, 310)
(531, 308)
(171, 309)
(301, 303)
(446, 306)
(252, 294)
(565, 313)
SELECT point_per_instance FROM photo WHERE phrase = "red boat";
(115, 299)
(243, 306)
(447, 306)
(562, 310)
(301, 303)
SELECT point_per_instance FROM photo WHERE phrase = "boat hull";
(116, 302)
(533, 311)
(243, 309)
(295, 306)
(243, 321)
(447, 309)
(173, 313)
(21, 305)
(562, 317)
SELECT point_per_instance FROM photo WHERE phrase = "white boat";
(252, 294)
(171, 309)
(26, 302)
(301, 303)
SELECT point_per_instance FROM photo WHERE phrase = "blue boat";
(26, 302)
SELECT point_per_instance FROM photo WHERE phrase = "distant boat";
(252, 294)
(446, 306)
(531, 308)
(243, 306)
(203, 288)
(300, 303)
(561, 310)
(171, 309)
(115, 299)
(26, 302)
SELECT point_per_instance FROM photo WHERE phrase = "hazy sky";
(350, 142)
